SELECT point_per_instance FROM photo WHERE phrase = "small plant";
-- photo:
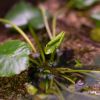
(46, 70)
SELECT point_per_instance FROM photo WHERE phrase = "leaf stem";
(67, 78)
(34, 61)
(38, 43)
(21, 32)
(61, 85)
(60, 95)
(46, 21)
(54, 26)
(52, 56)
(68, 70)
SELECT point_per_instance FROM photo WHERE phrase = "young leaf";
(54, 43)
(13, 57)
(23, 13)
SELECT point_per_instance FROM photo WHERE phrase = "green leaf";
(42, 96)
(95, 34)
(32, 90)
(82, 4)
(24, 13)
(54, 43)
(78, 63)
(13, 57)
(96, 17)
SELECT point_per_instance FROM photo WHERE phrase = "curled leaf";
(54, 43)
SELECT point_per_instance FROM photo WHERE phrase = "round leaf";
(13, 57)
(24, 13)
(95, 34)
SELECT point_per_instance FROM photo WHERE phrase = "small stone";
(80, 83)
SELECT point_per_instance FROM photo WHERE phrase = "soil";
(77, 30)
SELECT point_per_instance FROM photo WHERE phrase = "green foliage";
(54, 43)
(95, 34)
(31, 89)
(96, 17)
(82, 4)
(78, 63)
(13, 57)
(23, 14)
(47, 73)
